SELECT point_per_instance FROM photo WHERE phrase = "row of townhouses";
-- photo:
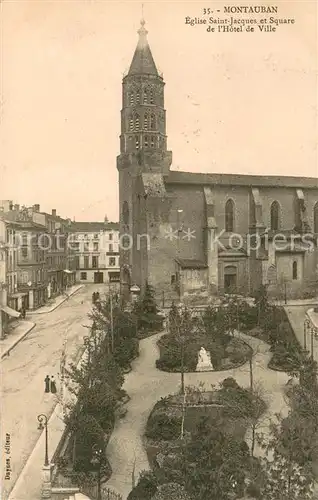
(43, 254)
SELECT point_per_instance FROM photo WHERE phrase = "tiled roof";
(241, 180)
(91, 227)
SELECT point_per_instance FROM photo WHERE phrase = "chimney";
(54, 212)
(17, 207)
(36, 208)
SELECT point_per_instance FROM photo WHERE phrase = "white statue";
(204, 361)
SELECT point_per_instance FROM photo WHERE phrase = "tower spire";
(143, 63)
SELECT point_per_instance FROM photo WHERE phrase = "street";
(23, 374)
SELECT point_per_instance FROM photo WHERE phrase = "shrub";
(229, 383)
(254, 491)
(126, 352)
(170, 360)
(248, 317)
(146, 487)
(161, 426)
(171, 491)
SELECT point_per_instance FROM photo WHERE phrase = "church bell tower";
(143, 150)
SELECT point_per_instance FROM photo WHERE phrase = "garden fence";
(107, 493)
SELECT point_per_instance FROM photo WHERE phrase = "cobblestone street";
(23, 373)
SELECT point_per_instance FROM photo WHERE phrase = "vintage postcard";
(158, 250)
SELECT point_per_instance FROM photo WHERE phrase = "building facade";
(60, 257)
(96, 245)
(197, 235)
(45, 260)
(10, 300)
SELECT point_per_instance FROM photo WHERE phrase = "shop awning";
(10, 312)
(67, 271)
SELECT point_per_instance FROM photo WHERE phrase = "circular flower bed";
(230, 353)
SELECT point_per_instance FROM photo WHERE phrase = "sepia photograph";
(159, 250)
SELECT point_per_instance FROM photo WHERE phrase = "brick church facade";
(195, 235)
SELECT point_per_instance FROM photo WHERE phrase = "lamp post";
(42, 419)
(96, 460)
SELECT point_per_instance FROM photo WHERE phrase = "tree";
(299, 430)
(180, 326)
(244, 404)
(171, 491)
(214, 464)
(146, 311)
(96, 388)
(174, 319)
(261, 300)
(282, 477)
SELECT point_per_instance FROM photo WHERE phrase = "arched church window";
(125, 213)
(295, 270)
(131, 123)
(152, 143)
(151, 97)
(137, 123)
(146, 141)
(137, 97)
(275, 216)
(131, 98)
(146, 118)
(316, 217)
(137, 142)
(145, 96)
(153, 122)
(229, 216)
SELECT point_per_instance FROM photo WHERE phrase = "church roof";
(177, 177)
(143, 62)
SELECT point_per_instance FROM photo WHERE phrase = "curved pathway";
(145, 385)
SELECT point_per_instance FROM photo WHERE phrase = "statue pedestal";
(204, 368)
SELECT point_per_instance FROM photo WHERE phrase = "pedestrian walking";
(47, 384)
(53, 385)
(93, 297)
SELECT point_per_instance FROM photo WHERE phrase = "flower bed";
(229, 354)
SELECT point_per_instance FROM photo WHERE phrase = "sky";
(236, 102)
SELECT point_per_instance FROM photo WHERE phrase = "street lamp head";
(40, 426)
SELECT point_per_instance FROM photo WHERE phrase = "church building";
(197, 235)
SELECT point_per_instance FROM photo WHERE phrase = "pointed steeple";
(143, 63)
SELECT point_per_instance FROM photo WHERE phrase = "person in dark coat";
(47, 384)
(93, 297)
(53, 385)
